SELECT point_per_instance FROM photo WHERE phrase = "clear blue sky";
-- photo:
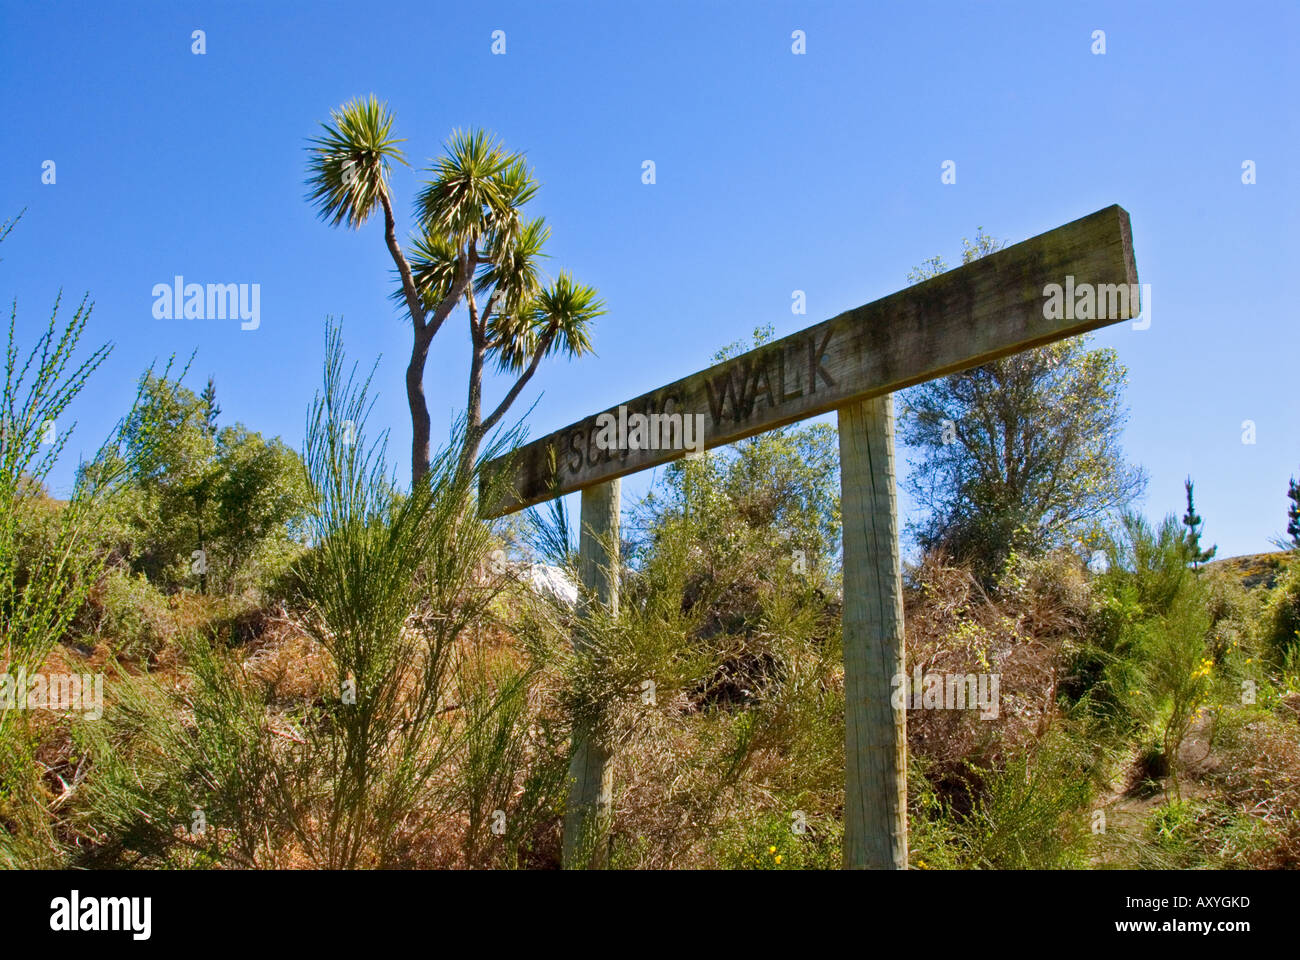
(775, 172)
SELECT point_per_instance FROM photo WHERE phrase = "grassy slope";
(1253, 569)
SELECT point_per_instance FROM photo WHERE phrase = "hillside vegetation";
(1148, 714)
(288, 660)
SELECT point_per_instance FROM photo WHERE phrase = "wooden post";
(875, 733)
(586, 818)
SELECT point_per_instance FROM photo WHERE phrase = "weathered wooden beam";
(990, 308)
(875, 731)
(587, 815)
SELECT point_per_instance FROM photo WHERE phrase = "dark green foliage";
(211, 409)
(1192, 539)
(1281, 625)
(1032, 814)
(1293, 512)
(1145, 576)
(213, 505)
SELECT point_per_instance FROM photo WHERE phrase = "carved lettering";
(761, 374)
(781, 358)
(815, 360)
(575, 452)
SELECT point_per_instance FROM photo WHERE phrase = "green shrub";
(1142, 600)
(511, 770)
(238, 498)
(191, 774)
(135, 619)
(1200, 834)
(46, 564)
(1032, 814)
(1281, 614)
(1177, 670)
(345, 779)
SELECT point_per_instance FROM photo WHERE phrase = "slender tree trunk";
(586, 818)
(476, 427)
(419, 408)
(473, 410)
(875, 732)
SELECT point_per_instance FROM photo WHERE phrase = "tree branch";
(413, 303)
(466, 265)
(488, 310)
(524, 377)
(476, 329)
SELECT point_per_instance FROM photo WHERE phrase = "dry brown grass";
(1258, 773)
(708, 758)
(1023, 635)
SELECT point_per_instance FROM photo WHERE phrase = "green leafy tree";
(1192, 539)
(259, 499)
(472, 246)
(209, 500)
(1020, 454)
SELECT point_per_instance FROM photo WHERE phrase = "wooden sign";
(1061, 283)
(1058, 284)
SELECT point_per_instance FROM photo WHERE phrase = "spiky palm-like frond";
(477, 192)
(558, 317)
(513, 267)
(568, 309)
(513, 336)
(466, 194)
(433, 266)
(516, 186)
(516, 182)
(350, 162)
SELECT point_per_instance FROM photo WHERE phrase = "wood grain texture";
(875, 732)
(962, 318)
(587, 814)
